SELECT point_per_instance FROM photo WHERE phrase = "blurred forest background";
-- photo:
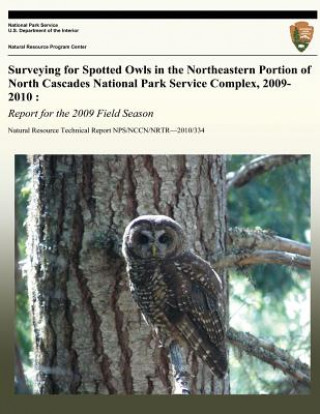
(270, 301)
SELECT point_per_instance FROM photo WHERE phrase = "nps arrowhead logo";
(301, 35)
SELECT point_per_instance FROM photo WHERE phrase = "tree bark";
(89, 336)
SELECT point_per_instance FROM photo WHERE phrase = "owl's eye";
(165, 238)
(143, 239)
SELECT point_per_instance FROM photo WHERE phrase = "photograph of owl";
(177, 292)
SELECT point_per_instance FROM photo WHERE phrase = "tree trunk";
(89, 336)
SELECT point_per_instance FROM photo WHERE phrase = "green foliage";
(22, 192)
(271, 301)
(22, 308)
(285, 323)
(23, 327)
(278, 201)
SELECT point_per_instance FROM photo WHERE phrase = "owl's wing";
(196, 269)
(203, 310)
(198, 288)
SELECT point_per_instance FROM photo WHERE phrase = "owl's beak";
(154, 250)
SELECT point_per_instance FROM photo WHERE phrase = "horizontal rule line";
(162, 14)
(162, 55)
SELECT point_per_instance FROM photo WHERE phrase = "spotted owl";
(177, 291)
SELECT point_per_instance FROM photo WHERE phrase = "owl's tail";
(213, 355)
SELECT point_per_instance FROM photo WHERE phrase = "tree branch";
(258, 166)
(180, 372)
(269, 353)
(260, 239)
(263, 256)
